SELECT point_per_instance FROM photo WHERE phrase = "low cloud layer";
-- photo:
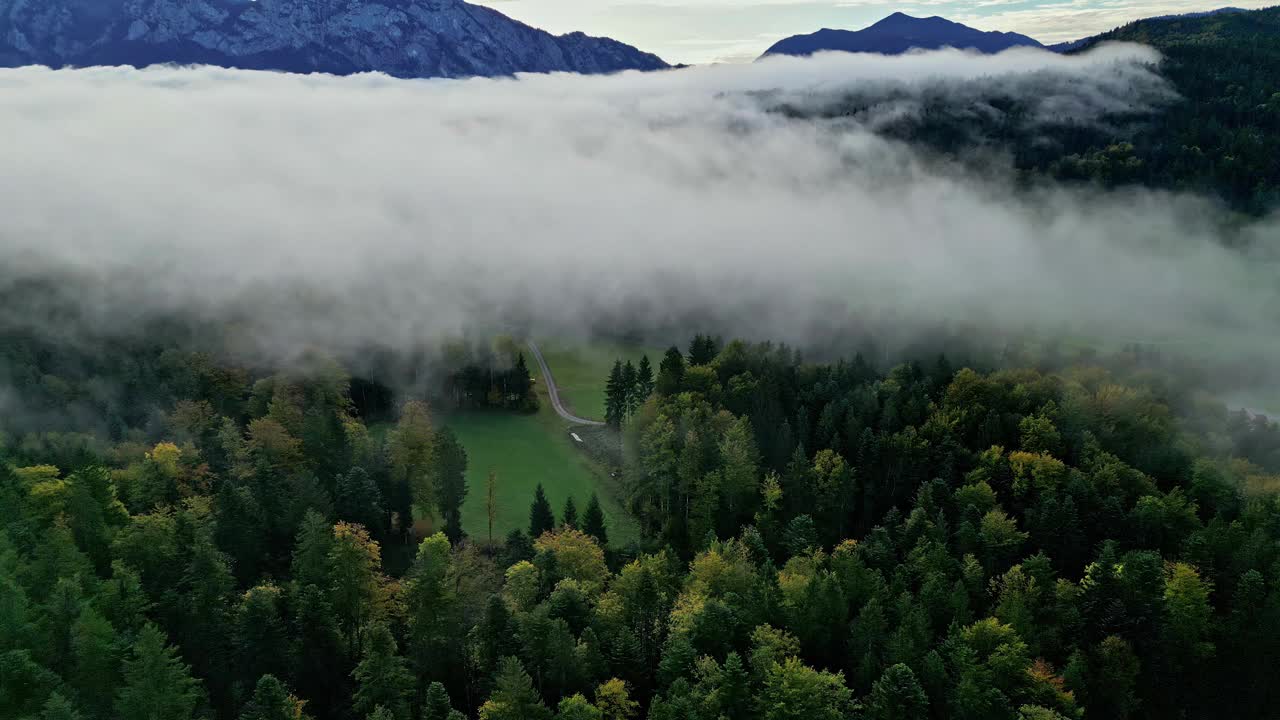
(346, 212)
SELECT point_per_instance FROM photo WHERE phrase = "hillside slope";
(1224, 136)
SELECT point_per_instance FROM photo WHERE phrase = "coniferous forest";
(1084, 538)
(236, 479)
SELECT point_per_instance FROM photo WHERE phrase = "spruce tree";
(630, 390)
(382, 677)
(703, 349)
(593, 521)
(514, 697)
(570, 513)
(897, 695)
(615, 397)
(271, 701)
(450, 481)
(157, 685)
(358, 500)
(58, 707)
(670, 372)
(541, 518)
(521, 383)
(437, 705)
(644, 378)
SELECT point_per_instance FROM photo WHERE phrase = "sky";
(704, 31)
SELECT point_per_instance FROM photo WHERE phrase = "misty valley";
(397, 360)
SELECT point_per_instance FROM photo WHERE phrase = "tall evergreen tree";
(570, 513)
(593, 521)
(261, 638)
(437, 705)
(521, 383)
(514, 697)
(271, 701)
(670, 372)
(450, 482)
(703, 349)
(897, 695)
(644, 379)
(630, 390)
(58, 707)
(382, 678)
(157, 685)
(541, 518)
(96, 660)
(615, 397)
(319, 663)
(430, 604)
(358, 500)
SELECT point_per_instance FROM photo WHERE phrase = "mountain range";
(899, 33)
(405, 38)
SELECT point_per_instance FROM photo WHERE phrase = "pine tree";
(735, 687)
(703, 349)
(437, 705)
(319, 662)
(630, 390)
(355, 564)
(271, 701)
(430, 600)
(358, 500)
(670, 372)
(570, 513)
(96, 662)
(382, 677)
(644, 379)
(311, 549)
(157, 685)
(58, 707)
(541, 518)
(593, 522)
(260, 635)
(522, 383)
(897, 695)
(615, 397)
(514, 697)
(450, 481)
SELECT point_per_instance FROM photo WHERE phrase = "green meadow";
(581, 370)
(525, 450)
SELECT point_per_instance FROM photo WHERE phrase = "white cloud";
(347, 211)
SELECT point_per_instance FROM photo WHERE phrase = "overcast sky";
(700, 31)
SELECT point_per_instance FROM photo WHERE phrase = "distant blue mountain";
(899, 33)
(406, 38)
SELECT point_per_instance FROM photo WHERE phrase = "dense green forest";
(1222, 136)
(1085, 537)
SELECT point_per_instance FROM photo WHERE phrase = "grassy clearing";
(526, 450)
(582, 369)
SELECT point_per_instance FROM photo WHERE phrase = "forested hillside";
(1082, 538)
(1217, 135)
(1223, 135)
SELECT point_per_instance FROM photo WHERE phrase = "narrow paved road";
(553, 392)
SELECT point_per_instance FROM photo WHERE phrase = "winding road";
(554, 392)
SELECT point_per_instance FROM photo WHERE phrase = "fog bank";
(342, 212)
